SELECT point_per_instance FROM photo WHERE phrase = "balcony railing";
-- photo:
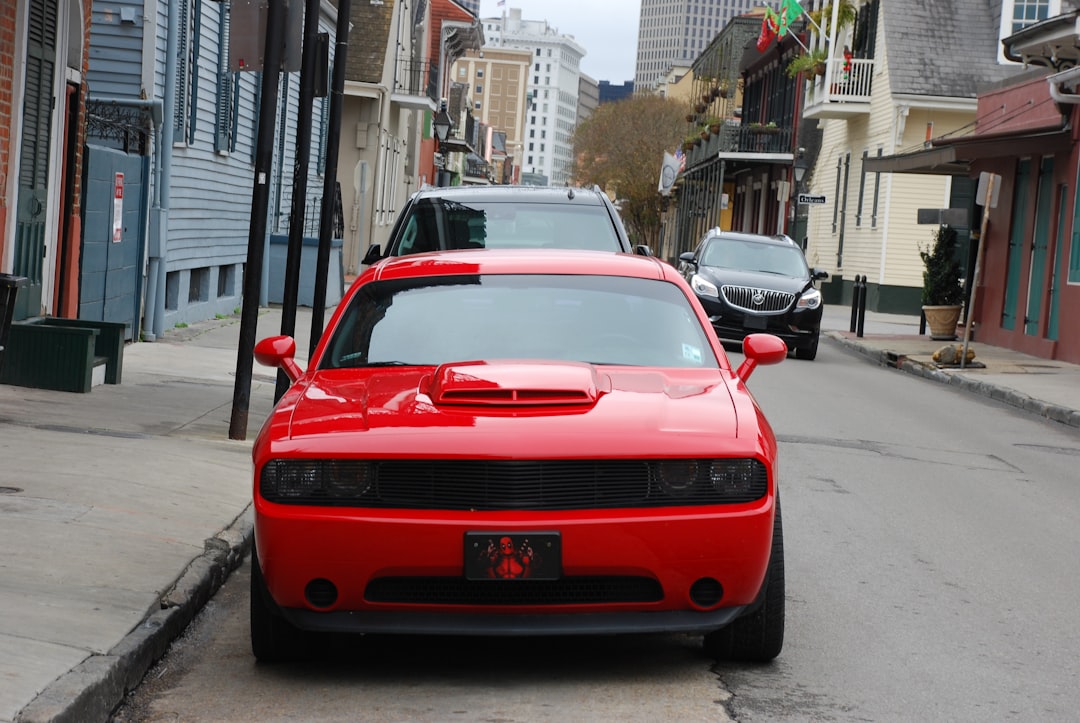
(738, 138)
(416, 78)
(840, 94)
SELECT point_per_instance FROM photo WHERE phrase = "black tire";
(759, 636)
(808, 352)
(273, 639)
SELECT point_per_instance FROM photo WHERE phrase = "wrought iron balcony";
(416, 83)
(739, 138)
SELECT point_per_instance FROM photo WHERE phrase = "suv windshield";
(436, 224)
(602, 320)
(751, 256)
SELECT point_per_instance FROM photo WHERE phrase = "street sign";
(807, 199)
(118, 208)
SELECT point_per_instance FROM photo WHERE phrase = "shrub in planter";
(941, 270)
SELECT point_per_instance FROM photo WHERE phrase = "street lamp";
(442, 124)
(801, 167)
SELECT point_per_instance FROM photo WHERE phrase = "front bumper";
(799, 328)
(351, 549)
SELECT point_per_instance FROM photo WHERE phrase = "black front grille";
(566, 591)
(749, 298)
(494, 485)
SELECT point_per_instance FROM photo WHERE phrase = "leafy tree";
(621, 148)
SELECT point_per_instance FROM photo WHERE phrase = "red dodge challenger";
(518, 443)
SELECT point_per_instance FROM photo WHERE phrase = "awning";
(953, 156)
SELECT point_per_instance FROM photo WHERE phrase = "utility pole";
(333, 140)
(260, 197)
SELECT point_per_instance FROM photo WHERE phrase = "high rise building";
(674, 32)
(551, 109)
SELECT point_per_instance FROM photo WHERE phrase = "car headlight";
(720, 481)
(810, 299)
(315, 481)
(703, 287)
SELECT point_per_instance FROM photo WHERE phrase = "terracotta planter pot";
(942, 321)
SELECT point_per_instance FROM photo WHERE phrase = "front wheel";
(759, 636)
(808, 352)
(273, 639)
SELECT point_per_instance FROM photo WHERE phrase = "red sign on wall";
(118, 209)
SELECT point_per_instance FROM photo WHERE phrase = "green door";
(1016, 246)
(30, 213)
(1040, 242)
(1055, 264)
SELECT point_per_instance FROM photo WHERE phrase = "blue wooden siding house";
(171, 130)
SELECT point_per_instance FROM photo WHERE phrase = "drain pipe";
(159, 212)
(1058, 80)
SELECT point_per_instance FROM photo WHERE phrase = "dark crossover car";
(751, 283)
(526, 442)
(505, 217)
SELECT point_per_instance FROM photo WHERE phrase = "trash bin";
(9, 289)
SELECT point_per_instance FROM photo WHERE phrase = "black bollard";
(854, 304)
(862, 307)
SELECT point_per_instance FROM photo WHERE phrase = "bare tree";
(621, 149)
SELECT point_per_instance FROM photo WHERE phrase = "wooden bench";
(61, 354)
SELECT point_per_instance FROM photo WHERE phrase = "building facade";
(676, 32)
(553, 78)
(500, 96)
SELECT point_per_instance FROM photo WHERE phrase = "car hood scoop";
(515, 384)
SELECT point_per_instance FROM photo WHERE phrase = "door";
(32, 201)
(1016, 246)
(1040, 242)
(112, 248)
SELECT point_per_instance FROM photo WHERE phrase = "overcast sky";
(607, 29)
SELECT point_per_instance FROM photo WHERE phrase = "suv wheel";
(809, 351)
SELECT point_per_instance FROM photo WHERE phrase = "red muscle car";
(518, 443)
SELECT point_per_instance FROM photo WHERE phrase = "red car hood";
(508, 409)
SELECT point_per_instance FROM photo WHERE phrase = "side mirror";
(279, 351)
(760, 349)
(817, 275)
(643, 250)
(373, 254)
(688, 257)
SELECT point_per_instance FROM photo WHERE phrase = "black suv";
(749, 283)
(468, 217)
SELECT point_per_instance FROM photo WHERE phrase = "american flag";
(681, 158)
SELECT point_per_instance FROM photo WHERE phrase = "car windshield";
(752, 256)
(596, 319)
(437, 224)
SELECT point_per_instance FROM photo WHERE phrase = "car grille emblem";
(758, 299)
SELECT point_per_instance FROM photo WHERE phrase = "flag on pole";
(668, 171)
(790, 11)
(681, 158)
(770, 25)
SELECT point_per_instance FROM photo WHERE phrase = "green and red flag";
(790, 11)
(770, 26)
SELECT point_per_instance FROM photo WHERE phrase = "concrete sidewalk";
(123, 510)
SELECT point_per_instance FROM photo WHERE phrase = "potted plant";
(810, 63)
(724, 89)
(942, 293)
(713, 124)
(846, 14)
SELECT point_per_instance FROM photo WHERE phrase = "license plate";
(513, 555)
(755, 322)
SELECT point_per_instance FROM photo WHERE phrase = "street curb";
(886, 358)
(93, 689)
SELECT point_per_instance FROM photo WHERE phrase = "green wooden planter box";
(60, 354)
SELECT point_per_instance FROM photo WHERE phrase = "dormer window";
(1018, 14)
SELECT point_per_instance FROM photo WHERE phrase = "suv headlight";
(703, 287)
(810, 299)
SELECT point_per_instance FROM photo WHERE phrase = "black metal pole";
(854, 304)
(300, 182)
(862, 307)
(333, 140)
(260, 198)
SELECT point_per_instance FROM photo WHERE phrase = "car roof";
(777, 240)
(513, 194)
(523, 261)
